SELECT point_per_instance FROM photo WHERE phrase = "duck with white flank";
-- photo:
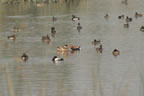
(75, 18)
(12, 37)
(55, 59)
(24, 57)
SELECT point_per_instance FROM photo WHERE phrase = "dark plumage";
(79, 27)
(24, 57)
(55, 58)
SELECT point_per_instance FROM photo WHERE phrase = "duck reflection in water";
(63, 54)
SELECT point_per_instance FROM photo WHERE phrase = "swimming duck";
(121, 17)
(128, 19)
(116, 52)
(126, 25)
(74, 47)
(142, 29)
(54, 19)
(138, 15)
(95, 42)
(63, 48)
(13, 37)
(106, 16)
(55, 58)
(46, 39)
(100, 49)
(75, 18)
(16, 29)
(79, 27)
(24, 57)
(124, 2)
(40, 4)
(53, 31)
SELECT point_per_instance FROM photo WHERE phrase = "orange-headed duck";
(74, 47)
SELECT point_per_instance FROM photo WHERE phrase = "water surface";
(84, 73)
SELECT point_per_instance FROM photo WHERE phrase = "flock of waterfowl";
(75, 18)
(63, 48)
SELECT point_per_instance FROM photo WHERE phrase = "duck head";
(53, 59)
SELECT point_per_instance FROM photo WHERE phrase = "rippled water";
(84, 73)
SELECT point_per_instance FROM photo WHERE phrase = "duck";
(46, 38)
(54, 19)
(126, 25)
(128, 19)
(95, 42)
(75, 18)
(106, 16)
(100, 49)
(40, 4)
(16, 29)
(124, 2)
(138, 15)
(79, 27)
(74, 47)
(121, 17)
(55, 58)
(12, 37)
(63, 48)
(24, 57)
(116, 52)
(142, 29)
(53, 31)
